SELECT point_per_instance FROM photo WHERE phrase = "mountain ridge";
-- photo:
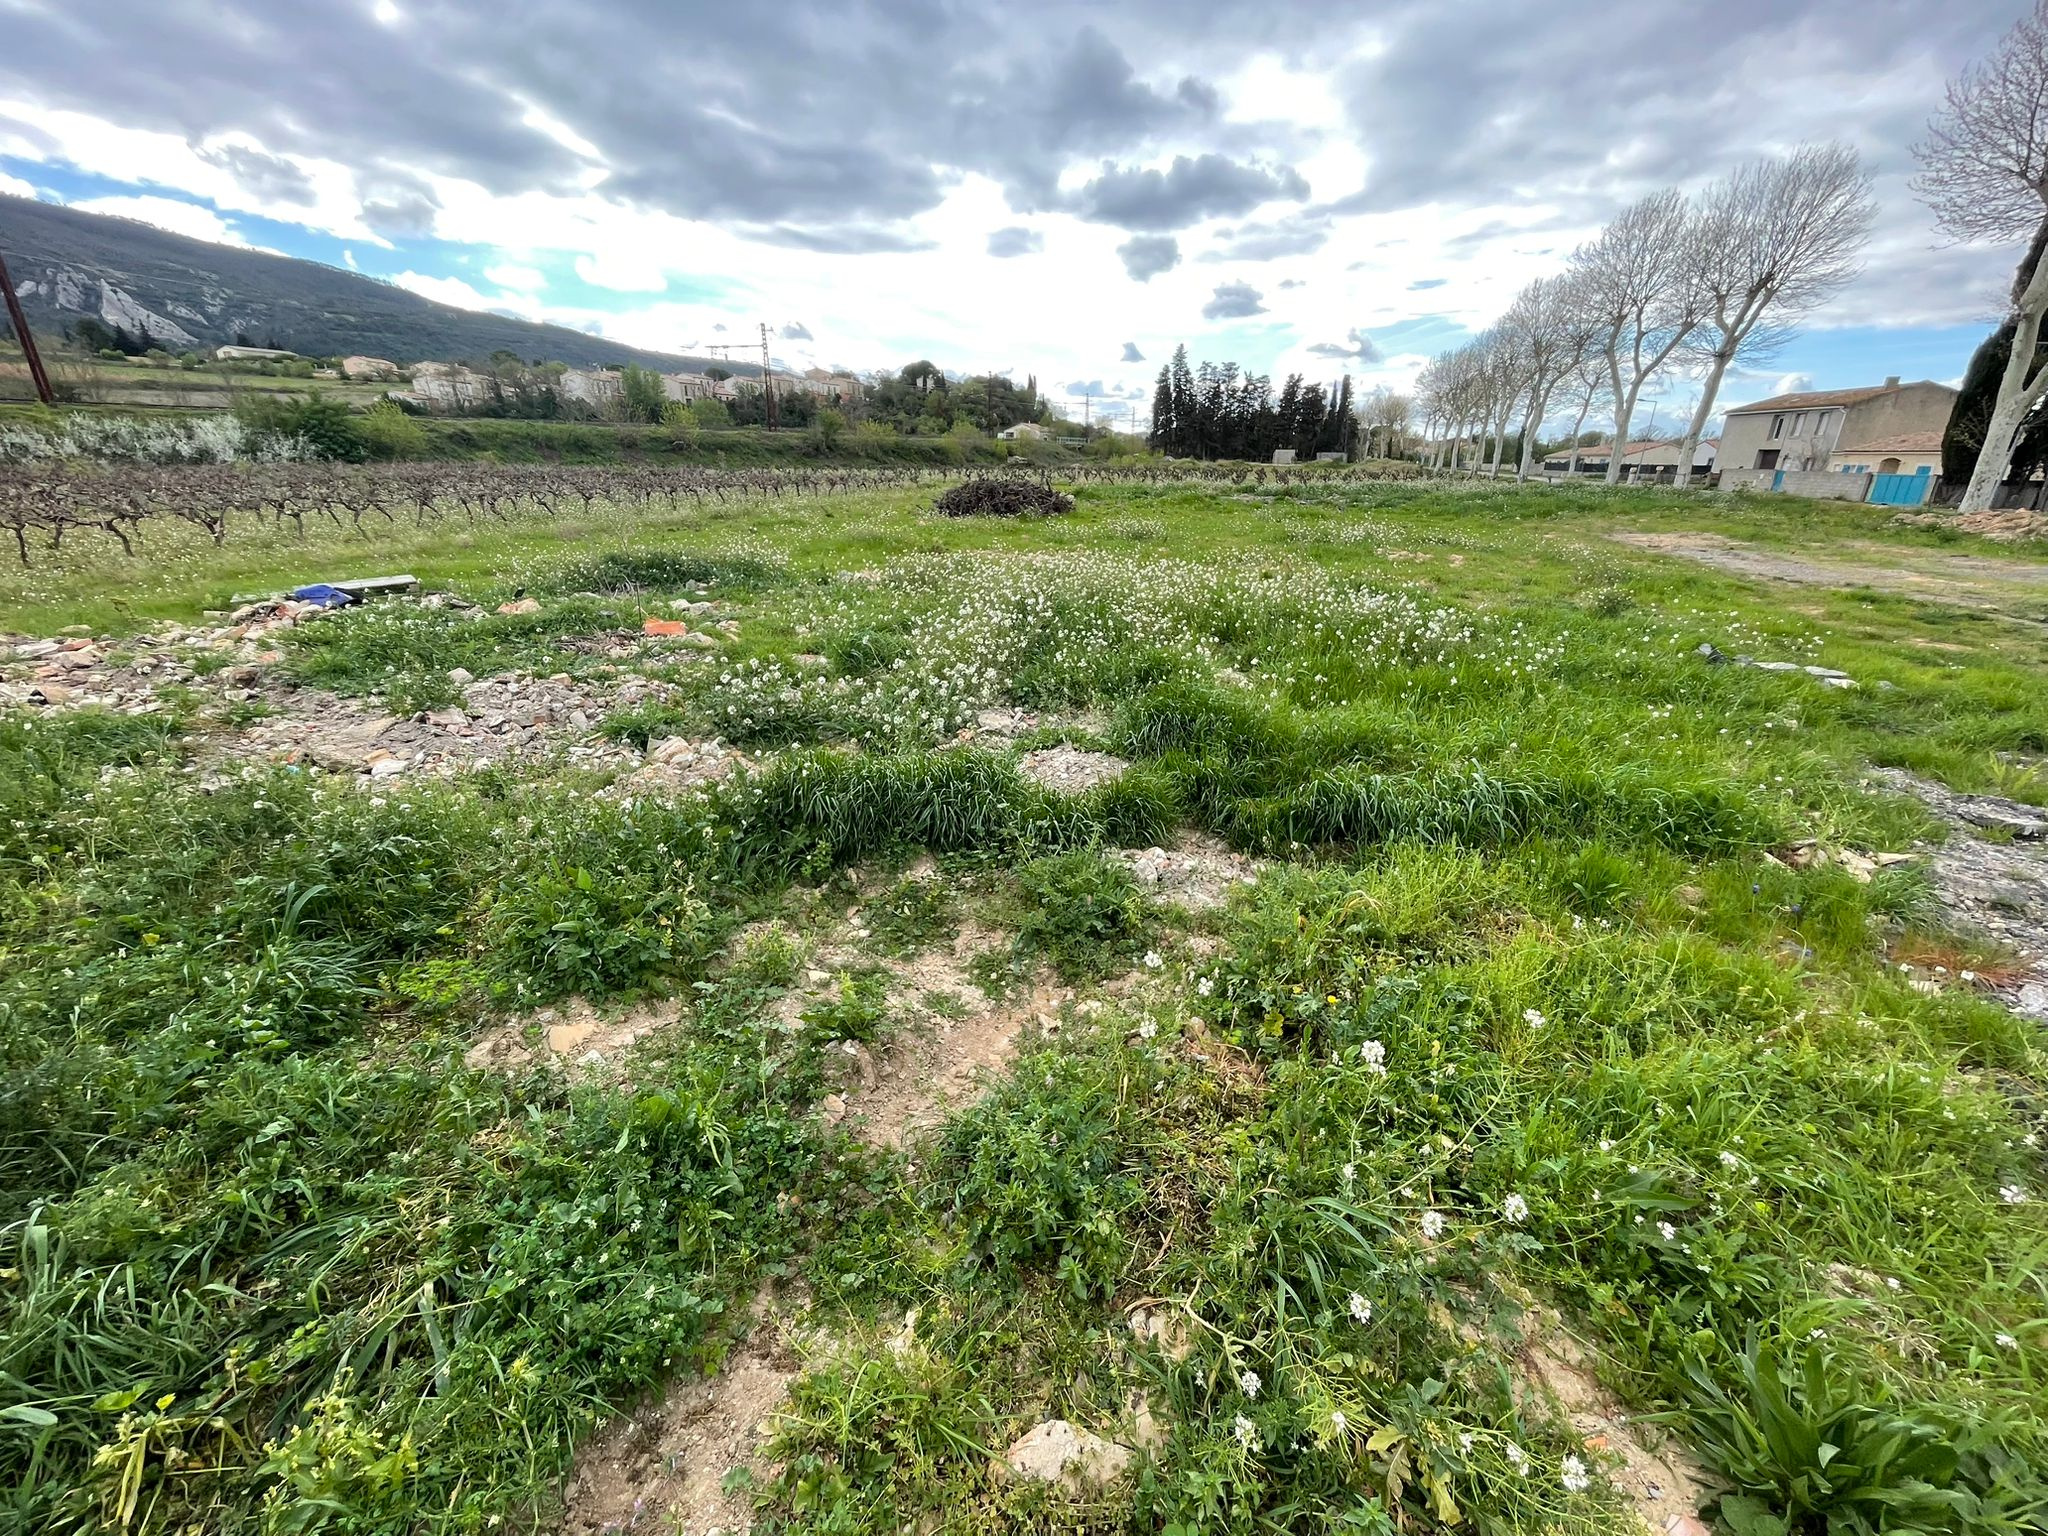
(193, 294)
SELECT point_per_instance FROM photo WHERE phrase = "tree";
(1160, 438)
(641, 393)
(1771, 241)
(1984, 172)
(1638, 278)
(1550, 334)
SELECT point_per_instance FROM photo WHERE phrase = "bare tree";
(1638, 278)
(1552, 332)
(1385, 415)
(1588, 378)
(1984, 172)
(1774, 240)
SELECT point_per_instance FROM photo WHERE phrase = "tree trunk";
(1624, 412)
(1578, 428)
(1538, 404)
(2024, 380)
(1689, 445)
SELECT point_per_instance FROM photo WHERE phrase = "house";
(1802, 431)
(1659, 461)
(1023, 432)
(445, 387)
(1593, 460)
(1907, 453)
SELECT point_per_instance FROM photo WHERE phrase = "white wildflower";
(1374, 1055)
(1573, 1475)
(1246, 1431)
(1204, 987)
(1154, 960)
(1433, 1225)
(2012, 1194)
(1147, 1030)
(1248, 1381)
(1361, 1309)
(1533, 1019)
(1515, 1208)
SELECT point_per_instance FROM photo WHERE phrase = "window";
(1777, 429)
(1767, 458)
(1799, 424)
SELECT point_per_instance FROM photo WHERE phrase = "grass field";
(1534, 1105)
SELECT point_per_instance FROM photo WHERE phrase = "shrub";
(1082, 913)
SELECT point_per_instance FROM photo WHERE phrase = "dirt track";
(1969, 581)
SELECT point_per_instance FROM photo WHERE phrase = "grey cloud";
(1015, 240)
(1234, 301)
(396, 204)
(1200, 95)
(1292, 282)
(1146, 256)
(1188, 191)
(1131, 353)
(1091, 387)
(1269, 242)
(796, 330)
(842, 240)
(1357, 346)
(268, 176)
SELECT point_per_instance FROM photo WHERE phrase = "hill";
(190, 293)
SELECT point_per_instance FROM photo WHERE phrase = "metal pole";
(767, 376)
(25, 336)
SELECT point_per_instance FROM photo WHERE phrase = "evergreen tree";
(1964, 438)
(1185, 434)
(1161, 438)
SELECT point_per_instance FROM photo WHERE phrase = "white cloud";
(518, 278)
(167, 213)
(14, 186)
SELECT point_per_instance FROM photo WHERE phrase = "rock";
(461, 677)
(522, 605)
(1070, 770)
(49, 693)
(564, 1038)
(832, 1108)
(1057, 1452)
(2031, 1001)
(653, 626)
(35, 650)
(385, 765)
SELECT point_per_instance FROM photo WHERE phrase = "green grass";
(1521, 1013)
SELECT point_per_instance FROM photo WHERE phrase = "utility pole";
(25, 337)
(767, 376)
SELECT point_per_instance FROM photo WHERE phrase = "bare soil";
(663, 1468)
(1970, 581)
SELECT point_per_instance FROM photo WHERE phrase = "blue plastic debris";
(324, 595)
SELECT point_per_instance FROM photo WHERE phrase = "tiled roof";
(1813, 398)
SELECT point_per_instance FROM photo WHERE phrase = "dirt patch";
(1999, 888)
(1969, 581)
(573, 1034)
(997, 727)
(1070, 770)
(1198, 872)
(1662, 1481)
(928, 1071)
(662, 1469)
(2010, 525)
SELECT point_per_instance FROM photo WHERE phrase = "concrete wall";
(1742, 437)
(1911, 408)
(1821, 484)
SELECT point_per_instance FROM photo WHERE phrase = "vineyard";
(41, 506)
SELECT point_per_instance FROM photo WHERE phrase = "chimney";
(1892, 382)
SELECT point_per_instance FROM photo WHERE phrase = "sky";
(1067, 190)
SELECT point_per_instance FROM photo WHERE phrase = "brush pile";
(991, 497)
(2006, 525)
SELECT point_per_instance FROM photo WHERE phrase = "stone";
(461, 677)
(522, 605)
(385, 765)
(1058, 1452)
(564, 1038)
(653, 626)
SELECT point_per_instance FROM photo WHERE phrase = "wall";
(1821, 484)
(1908, 409)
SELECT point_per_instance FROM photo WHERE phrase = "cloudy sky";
(1066, 190)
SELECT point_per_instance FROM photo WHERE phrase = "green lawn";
(1528, 1027)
